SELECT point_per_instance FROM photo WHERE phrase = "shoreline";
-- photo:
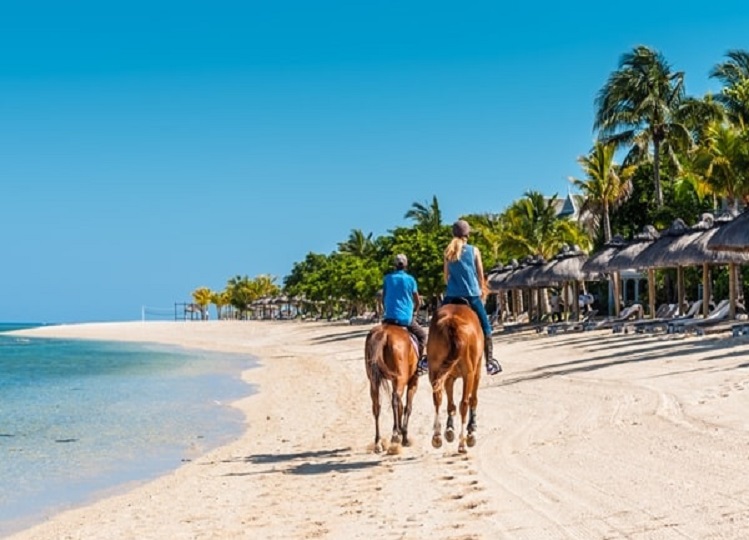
(585, 435)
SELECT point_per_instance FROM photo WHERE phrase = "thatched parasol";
(624, 260)
(656, 254)
(692, 249)
(598, 262)
(497, 277)
(625, 257)
(732, 237)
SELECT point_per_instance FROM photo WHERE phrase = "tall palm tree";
(606, 186)
(428, 217)
(358, 244)
(638, 106)
(734, 74)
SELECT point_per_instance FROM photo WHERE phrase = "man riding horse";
(401, 301)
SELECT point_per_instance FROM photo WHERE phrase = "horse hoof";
(378, 448)
(462, 449)
(449, 435)
(437, 441)
(471, 440)
(406, 442)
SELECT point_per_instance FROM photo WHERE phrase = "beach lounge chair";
(635, 311)
(697, 325)
(568, 326)
(661, 323)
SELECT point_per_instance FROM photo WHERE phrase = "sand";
(585, 435)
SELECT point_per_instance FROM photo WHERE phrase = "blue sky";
(149, 148)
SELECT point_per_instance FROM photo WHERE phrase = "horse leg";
(410, 391)
(450, 427)
(437, 399)
(374, 392)
(473, 402)
(467, 393)
(397, 414)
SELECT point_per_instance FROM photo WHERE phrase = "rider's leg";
(421, 337)
(492, 365)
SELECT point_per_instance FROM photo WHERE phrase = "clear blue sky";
(149, 148)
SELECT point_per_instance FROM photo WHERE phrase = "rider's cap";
(401, 261)
(461, 228)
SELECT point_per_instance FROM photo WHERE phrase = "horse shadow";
(312, 462)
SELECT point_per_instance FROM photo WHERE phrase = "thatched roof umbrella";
(526, 277)
(497, 283)
(624, 259)
(598, 262)
(692, 249)
(732, 237)
(498, 276)
(658, 255)
(567, 268)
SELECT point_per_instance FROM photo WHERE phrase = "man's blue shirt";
(398, 289)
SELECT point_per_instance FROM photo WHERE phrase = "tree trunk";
(657, 171)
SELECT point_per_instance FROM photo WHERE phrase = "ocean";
(80, 418)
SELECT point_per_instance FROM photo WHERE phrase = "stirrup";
(493, 367)
(422, 367)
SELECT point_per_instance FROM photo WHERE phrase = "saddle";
(459, 300)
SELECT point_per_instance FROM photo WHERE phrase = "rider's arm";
(479, 271)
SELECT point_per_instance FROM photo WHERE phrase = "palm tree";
(734, 74)
(358, 244)
(607, 184)
(533, 228)
(724, 158)
(638, 106)
(202, 297)
(428, 217)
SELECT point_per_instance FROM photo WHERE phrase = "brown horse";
(454, 350)
(390, 358)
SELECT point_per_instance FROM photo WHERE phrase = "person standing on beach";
(401, 302)
(464, 279)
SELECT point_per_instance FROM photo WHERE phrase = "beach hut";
(623, 260)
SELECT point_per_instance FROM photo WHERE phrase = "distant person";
(464, 278)
(585, 302)
(401, 301)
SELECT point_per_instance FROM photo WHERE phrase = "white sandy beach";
(585, 435)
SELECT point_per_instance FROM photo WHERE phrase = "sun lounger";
(661, 323)
(634, 311)
(719, 314)
(569, 326)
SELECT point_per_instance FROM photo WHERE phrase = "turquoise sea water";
(78, 418)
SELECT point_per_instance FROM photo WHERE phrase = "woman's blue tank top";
(462, 279)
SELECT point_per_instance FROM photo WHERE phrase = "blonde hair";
(454, 249)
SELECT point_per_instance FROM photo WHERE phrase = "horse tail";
(379, 373)
(452, 336)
